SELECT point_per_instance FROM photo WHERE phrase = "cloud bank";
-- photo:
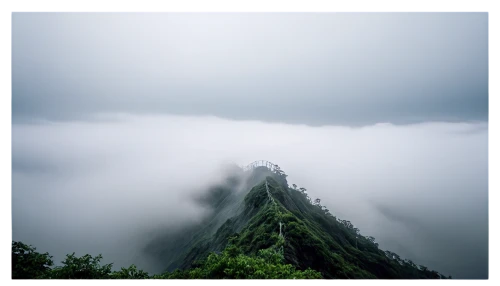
(101, 186)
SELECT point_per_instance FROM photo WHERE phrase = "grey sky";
(317, 68)
(115, 114)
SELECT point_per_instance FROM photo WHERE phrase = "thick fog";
(119, 119)
(102, 186)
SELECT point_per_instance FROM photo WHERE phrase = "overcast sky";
(316, 68)
(382, 116)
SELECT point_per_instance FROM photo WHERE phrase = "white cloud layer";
(100, 186)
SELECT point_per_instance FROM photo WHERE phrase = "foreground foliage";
(27, 263)
(271, 231)
(230, 264)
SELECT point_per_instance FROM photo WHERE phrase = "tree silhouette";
(327, 211)
(278, 170)
(356, 230)
(85, 267)
(27, 263)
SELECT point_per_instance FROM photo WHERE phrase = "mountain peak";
(268, 214)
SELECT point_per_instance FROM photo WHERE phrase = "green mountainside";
(311, 238)
(259, 228)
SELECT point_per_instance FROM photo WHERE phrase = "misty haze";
(132, 135)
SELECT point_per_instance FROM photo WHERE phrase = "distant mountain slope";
(267, 213)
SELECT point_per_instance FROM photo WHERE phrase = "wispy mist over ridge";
(100, 186)
(122, 120)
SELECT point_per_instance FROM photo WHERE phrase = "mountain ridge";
(272, 214)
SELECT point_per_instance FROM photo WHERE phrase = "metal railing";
(260, 163)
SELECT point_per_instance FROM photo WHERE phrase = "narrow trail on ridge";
(275, 204)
